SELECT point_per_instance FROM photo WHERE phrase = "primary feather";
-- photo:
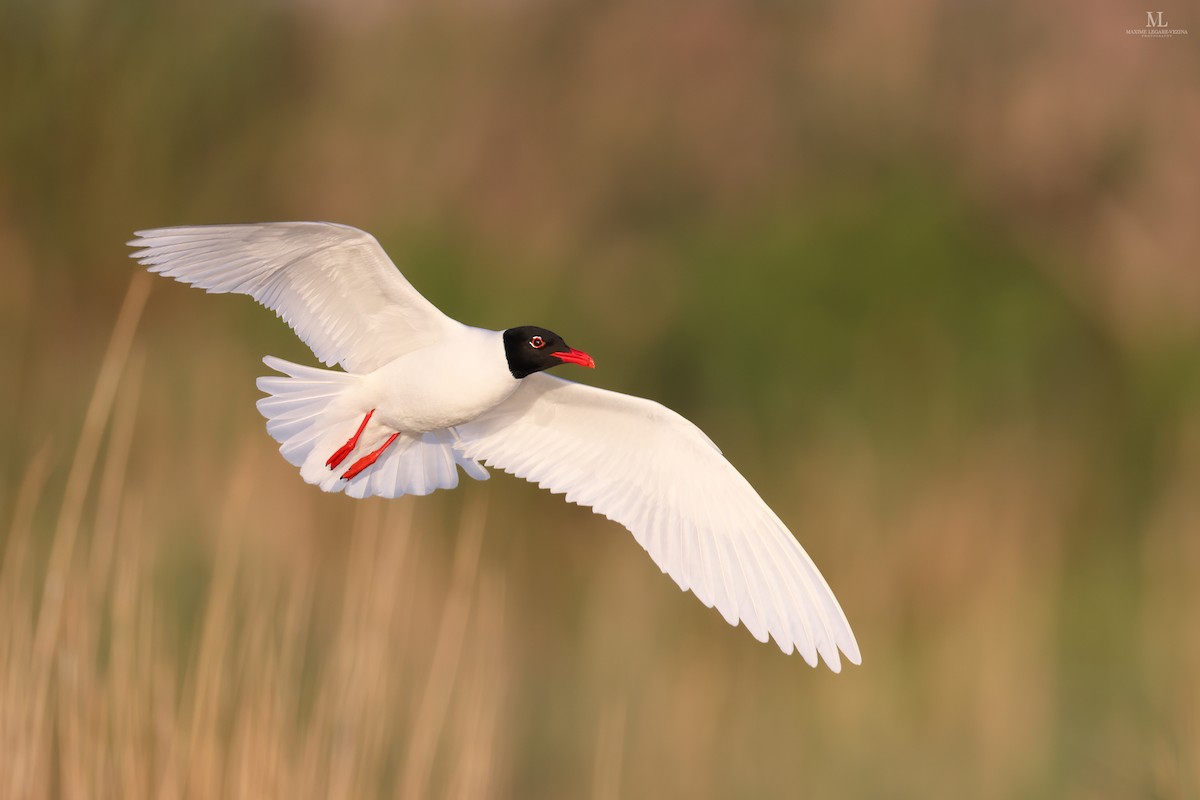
(333, 284)
(658, 475)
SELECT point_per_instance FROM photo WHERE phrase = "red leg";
(369, 459)
(340, 455)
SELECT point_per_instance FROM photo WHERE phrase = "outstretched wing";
(332, 284)
(648, 468)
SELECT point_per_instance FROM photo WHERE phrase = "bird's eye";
(537, 343)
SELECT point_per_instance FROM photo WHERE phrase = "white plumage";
(432, 395)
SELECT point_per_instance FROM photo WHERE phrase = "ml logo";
(1157, 27)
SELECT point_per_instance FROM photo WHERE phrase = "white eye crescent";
(537, 343)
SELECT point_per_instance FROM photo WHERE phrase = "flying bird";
(420, 396)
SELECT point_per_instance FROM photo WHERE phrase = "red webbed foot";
(369, 459)
(340, 454)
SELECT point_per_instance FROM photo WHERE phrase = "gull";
(420, 396)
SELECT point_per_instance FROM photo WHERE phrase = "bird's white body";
(423, 396)
(442, 385)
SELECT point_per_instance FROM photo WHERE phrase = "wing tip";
(840, 650)
(850, 651)
(830, 651)
(140, 237)
(145, 237)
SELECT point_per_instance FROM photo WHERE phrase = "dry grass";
(245, 641)
(101, 699)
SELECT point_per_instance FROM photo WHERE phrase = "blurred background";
(929, 274)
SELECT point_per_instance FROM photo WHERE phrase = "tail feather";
(311, 412)
(287, 406)
(418, 464)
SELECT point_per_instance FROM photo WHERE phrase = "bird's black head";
(530, 349)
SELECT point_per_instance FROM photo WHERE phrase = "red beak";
(576, 357)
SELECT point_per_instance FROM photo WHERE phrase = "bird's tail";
(314, 415)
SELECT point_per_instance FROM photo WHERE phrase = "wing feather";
(333, 284)
(644, 466)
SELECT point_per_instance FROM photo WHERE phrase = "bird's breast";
(443, 385)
